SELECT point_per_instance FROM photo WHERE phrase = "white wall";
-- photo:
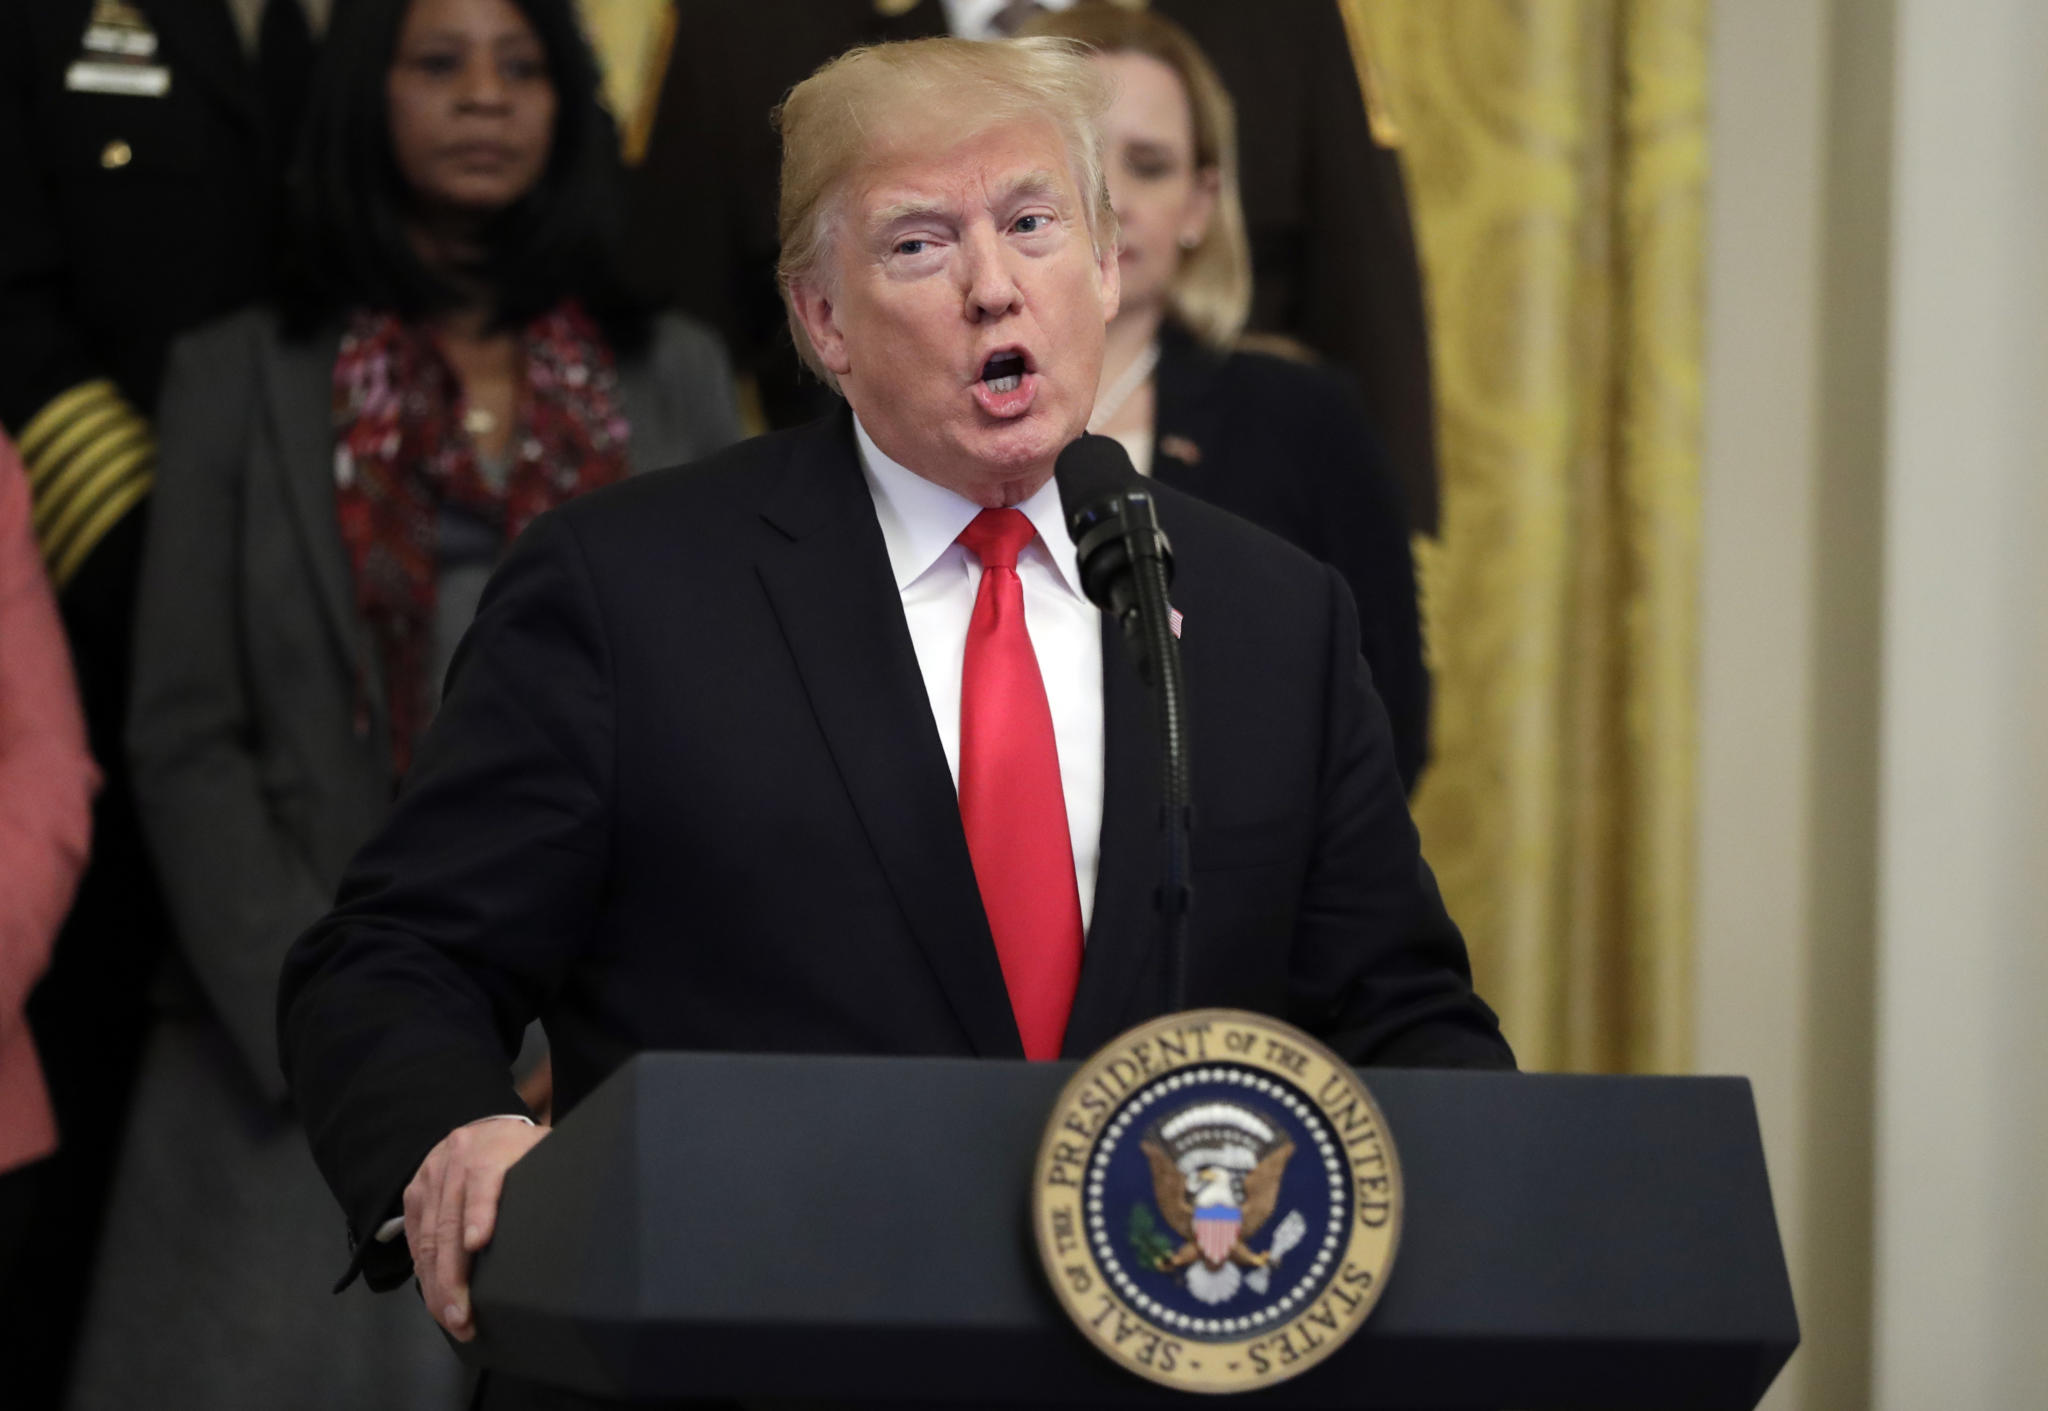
(1756, 610)
(1796, 271)
(1962, 1296)
(1873, 912)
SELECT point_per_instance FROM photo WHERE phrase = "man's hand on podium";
(451, 1211)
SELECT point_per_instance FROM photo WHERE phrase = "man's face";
(963, 308)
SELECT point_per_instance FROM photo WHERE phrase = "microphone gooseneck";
(1126, 564)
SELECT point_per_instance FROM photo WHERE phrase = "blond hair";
(870, 100)
(1211, 291)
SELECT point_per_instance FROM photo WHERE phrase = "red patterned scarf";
(401, 453)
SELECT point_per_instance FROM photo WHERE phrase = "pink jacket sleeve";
(47, 781)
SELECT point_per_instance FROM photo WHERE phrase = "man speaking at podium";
(816, 747)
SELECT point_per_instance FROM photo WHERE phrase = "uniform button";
(116, 154)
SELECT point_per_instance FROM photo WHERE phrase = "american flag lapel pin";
(1173, 619)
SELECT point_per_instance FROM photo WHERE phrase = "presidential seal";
(1217, 1201)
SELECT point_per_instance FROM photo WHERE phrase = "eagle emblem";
(1216, 1171)
(1216, 1201)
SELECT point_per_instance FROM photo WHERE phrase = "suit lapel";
(1124, 931)
(298, 381)
(840, 613)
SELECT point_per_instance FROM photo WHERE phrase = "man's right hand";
(451, 1211)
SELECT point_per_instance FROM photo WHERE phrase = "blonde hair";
(872, 99)
(1211, 291)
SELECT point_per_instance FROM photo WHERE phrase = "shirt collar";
(921, 519)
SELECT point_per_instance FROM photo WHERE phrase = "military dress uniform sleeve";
(89, 451)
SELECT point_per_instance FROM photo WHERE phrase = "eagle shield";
(1216, 1169)
(1216, 1228)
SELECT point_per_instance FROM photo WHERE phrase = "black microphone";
(1126, 565)
(1114, 524)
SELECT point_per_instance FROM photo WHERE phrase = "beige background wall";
(1790, 616)
(1873, 914)
(1962, 1073)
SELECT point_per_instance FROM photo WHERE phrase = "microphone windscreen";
(1091, 472)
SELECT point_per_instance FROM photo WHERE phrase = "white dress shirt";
(974, 19)
(939, 579)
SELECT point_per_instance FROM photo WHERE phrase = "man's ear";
(816, 312)
(1111, 273)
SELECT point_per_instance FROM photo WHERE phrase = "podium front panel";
(856, 1230)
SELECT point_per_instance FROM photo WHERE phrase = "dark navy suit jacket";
(1287, 445)
(685, 792)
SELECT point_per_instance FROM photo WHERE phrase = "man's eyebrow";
(1039, 184)
(899, 211)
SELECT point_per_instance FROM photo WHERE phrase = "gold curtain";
(631, 38)
(1556, 155)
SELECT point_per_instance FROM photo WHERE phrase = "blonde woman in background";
(1265, 435)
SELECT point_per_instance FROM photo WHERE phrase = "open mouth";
(1008, 386)
(1004, 372)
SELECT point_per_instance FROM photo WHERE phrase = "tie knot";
(996, 536)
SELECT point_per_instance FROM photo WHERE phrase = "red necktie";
(1011, 803)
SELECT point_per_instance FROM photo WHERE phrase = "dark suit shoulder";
(693, 523)
(1241, 425)
(244, 333)
(733, 475)
(1206, 538)
(681, 344)
(225, 363)
(1243, 384)
(1289, 388)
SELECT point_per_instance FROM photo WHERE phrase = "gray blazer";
(256, 781)
(255, 774)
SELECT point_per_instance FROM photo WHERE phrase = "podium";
(857, 1230)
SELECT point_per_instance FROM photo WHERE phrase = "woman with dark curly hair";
(338, 475)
